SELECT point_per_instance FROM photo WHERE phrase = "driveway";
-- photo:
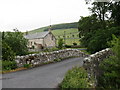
(47, 76)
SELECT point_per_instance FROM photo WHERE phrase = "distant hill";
(63, 26)
(70, 29)
(56, 26)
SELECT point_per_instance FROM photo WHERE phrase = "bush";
(68, 46)
(57, 60)
(54, 49)
(74, 44)
(110, 77)
(33, 47)
(60, 43)
(51, 49)
(46, 50)
(7, 53)
(27, 65)
(9, 65)
(75, 78)
(32, 52)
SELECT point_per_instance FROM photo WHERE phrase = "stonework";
(33, 41)
(37, 59)
(49, 40)
(91, 63)
(40, 40)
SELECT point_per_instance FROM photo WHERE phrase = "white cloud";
(31, 14)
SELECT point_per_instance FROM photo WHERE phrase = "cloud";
(32, 14)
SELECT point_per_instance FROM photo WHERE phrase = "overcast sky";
(32, 14)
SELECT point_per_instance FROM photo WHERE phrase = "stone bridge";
(44, 57)
(49, 76)
(91, 63)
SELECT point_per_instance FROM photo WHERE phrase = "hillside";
(70, 29)
(55, 27)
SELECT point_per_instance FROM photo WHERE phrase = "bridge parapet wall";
(91, 63)
(37, 59)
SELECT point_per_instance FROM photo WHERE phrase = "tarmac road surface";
(46, 76)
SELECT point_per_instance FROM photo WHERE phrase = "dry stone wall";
(37, 59)
(91, 63)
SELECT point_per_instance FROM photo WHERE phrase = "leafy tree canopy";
(87, 24)
(16, 41)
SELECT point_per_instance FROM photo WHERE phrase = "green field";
(69, 35)
(61, 31)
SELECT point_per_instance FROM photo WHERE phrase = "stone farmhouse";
(41, 40)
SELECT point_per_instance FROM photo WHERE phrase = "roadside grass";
(77, 77)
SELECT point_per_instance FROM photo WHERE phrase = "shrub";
(110, 77)
(60, 43)
(54, 49)
(46, 50)
(9, 65)
(68, 46)
(75, 78)
(27, 65)
(32, 52)
(33, 47)
(57, 60)
(74, 43)
(7, 53)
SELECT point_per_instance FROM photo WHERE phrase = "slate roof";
(36, 35)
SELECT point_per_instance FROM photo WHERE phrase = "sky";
(26, 15)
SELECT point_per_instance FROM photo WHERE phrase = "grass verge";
(77, 77)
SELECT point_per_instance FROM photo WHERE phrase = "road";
(47, 76)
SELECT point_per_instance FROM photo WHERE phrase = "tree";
(60, 43)
(100, 9)
(99, 39)
(115, 12)
(109, 10)
(95, 31)
(88, 24)
(16, 41)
